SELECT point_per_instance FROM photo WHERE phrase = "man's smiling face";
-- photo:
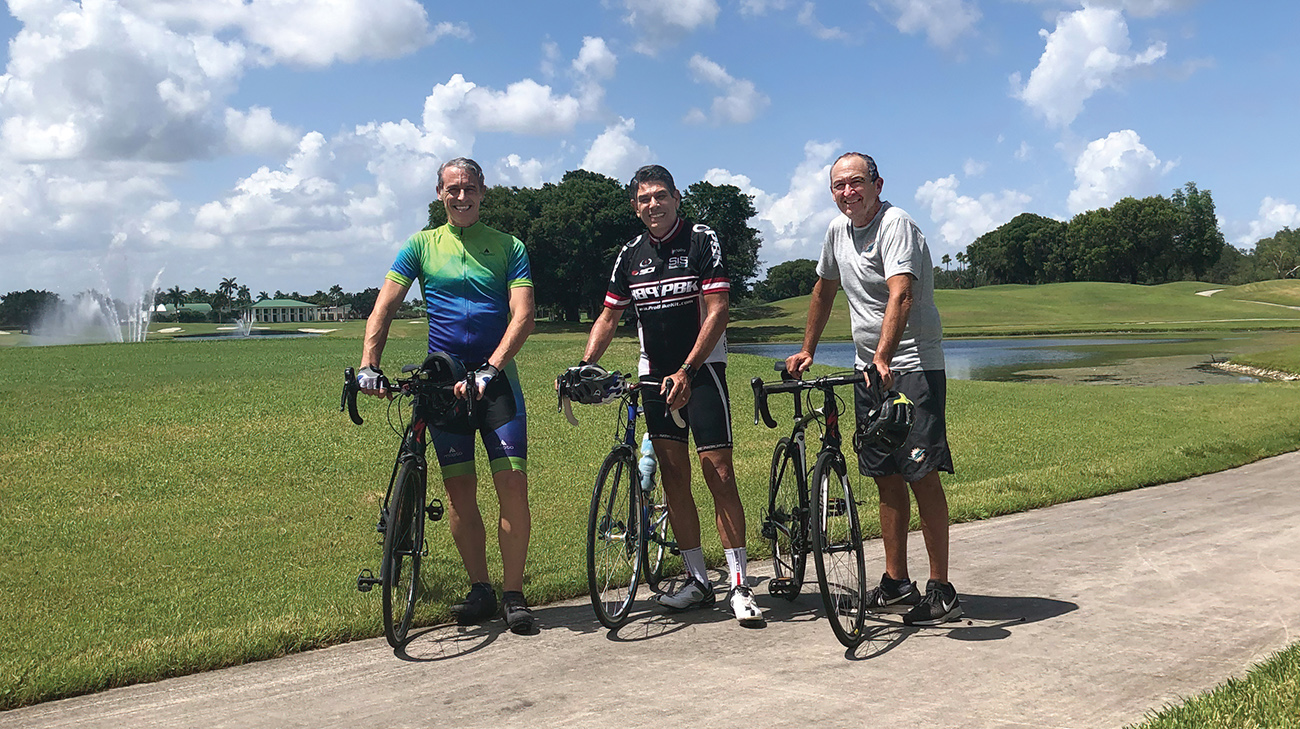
(656, 206)
(461, 195)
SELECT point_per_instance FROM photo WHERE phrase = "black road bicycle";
(813, 509)
(401, 518)
(628, 533)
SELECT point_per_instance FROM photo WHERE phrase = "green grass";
(1049, 309)
(1278, 291)
(171, 507)
(1268, 697)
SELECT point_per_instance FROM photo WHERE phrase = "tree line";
(573, 230)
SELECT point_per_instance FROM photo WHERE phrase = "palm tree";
(245, 296)
(262, 296)
(224, 291)
(947, 259)
(176, 296)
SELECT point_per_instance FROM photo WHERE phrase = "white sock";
(737, 561)
(694, 559)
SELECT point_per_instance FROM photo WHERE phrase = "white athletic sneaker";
(693, 595)
(743, 605)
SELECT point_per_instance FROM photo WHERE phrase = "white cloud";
(942, 21)
(256, 132)
(961, 218)
(550, 57)
(972, 168)
(456, 111)
(793, 224)
(1112, 168)
(516, 171)
(808, 19)
(1088, 51)
(1023, 152)
(595, 60)
(1274, 215)
(740, 101)
(661, 24)
(321, 32)
(1146, 8)
(615, 153)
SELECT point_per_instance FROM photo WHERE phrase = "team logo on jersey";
(678, 262)
(646, 262)
(655, 291)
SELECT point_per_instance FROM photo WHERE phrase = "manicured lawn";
(1266, 698)
(176, 506)
(1049, 309)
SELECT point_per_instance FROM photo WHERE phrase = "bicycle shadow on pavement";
(448, 640)
(984, 617)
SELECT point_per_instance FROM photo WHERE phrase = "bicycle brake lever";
(567, 407)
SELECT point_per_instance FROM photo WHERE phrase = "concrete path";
(1088, 614)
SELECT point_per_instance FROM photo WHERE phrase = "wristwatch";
(689, 370)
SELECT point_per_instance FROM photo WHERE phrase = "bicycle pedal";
(435, 510)
(366, 580)
(836, 507)
(782, 587)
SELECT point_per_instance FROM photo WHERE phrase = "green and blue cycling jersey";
(467, 275)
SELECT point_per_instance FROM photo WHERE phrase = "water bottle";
(647, 464)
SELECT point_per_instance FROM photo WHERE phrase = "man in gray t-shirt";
(876, 253)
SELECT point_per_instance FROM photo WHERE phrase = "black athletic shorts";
(707, 413)
(926, 449)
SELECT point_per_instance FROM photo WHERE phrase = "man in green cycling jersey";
(478, 294)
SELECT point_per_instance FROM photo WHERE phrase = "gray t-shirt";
(862, 260)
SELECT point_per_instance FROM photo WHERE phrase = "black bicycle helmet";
(890, 422)
(591, 385)
(444, 370)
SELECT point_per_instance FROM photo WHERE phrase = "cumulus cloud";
(661, 24)
(615, 153)
(1088, 51)
(793, 223)
(962, 218)
(739, 103)
(760, 7)
(972, 168)
(942, 21)
(1112, 168)
(516, 171)
(595, 64)
(1274, 215)
(149, 79)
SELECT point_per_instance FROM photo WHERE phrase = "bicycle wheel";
(613, 551)
(403, 543)
(658, 545)
(786, 522)
(837, 546)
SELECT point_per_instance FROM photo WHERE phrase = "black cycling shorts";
(707, 413)
(926, 449)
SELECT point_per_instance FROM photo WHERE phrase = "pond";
(1091, 360)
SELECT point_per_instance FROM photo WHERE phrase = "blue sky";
(292, 144)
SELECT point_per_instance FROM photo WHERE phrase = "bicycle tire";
(658, 544)
(613, 539)
(786, 522)
(403, 545)
(837, 547)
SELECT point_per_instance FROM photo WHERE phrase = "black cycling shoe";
(515, 610)
(479, 605)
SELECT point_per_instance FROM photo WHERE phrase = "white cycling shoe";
(744, 607)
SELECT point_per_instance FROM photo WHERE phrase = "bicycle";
(405, 501)
(821, 520)
(628, 532)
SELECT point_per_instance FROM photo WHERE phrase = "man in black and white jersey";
(675, 277)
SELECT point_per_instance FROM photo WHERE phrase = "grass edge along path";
(217, 512)
(1267, 697)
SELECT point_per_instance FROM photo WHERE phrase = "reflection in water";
(1002, 359)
